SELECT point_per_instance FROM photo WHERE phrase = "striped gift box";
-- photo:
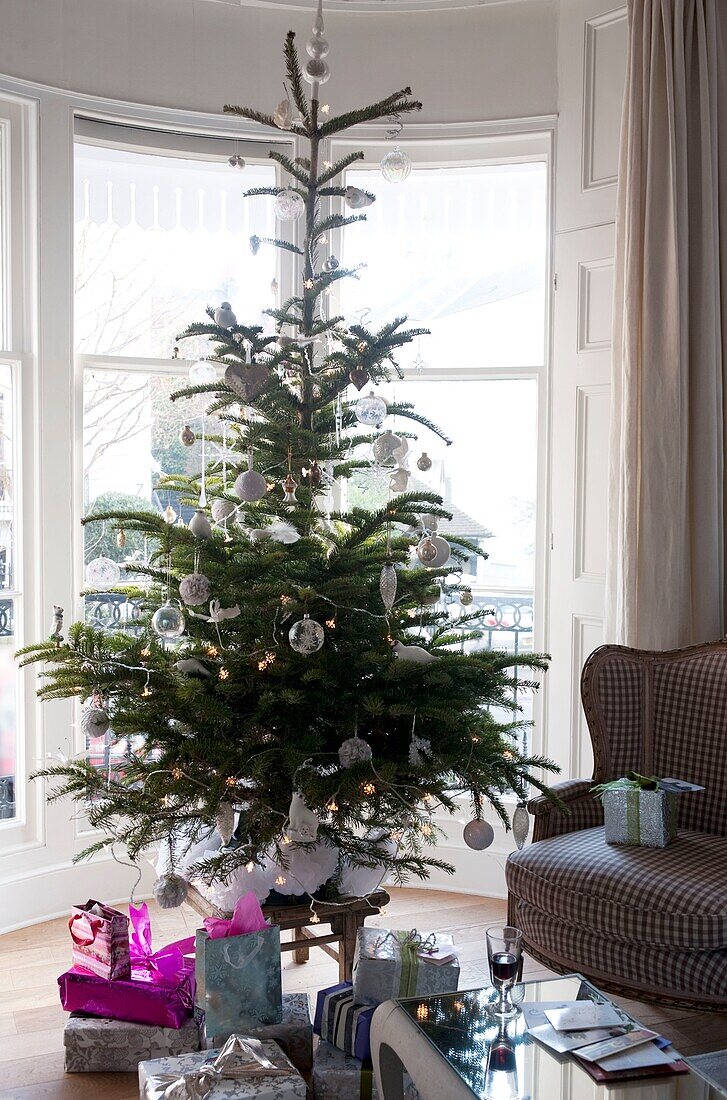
(341, 1022)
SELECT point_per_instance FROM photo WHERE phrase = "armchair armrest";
(583, 810)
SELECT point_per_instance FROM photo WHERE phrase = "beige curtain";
(666, 554)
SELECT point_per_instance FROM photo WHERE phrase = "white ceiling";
(364, 5)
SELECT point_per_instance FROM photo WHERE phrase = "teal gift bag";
(238, 981)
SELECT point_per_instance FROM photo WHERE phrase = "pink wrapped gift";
(160, 990)
(100, 936)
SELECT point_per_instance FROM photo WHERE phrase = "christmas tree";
(300, 699)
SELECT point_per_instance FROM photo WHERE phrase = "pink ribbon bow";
(166, 966)
(247, 917)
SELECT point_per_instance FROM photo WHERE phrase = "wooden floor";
(31, 1019)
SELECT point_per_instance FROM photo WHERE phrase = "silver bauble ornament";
(316, 71)
(424, 462)
(222, 509)
(251, 486)
(331, 264)
(102, 573)
(371, 410)
(288, 205)
(168, 622)
(187, 436)
(396, 165)
(520, 824)
(357, 199)
(306, 636)
(478, 834)
(426, 551)
(170, 891)
(200, 526)
(354, 751)
(466, 597)
(224, 317)
(194, 589)
(94, 721)
(236, 161)
(202, 373)
(385, 447)
(225, 821)
(387, 585)
(443, 550)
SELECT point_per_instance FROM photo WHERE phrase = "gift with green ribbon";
(638, 810)
(393, 964)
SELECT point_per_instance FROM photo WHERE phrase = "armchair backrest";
(663, 714)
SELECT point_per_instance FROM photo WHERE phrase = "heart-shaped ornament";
(247, 383)
(359, 377)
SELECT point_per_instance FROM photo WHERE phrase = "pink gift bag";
(100, 938)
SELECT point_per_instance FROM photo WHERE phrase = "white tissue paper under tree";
(303, 704)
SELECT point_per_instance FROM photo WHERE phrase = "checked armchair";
(643, 922)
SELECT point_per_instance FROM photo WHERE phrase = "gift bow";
(247, 917)
(237, 1059)
(412, 945)
(166, 966)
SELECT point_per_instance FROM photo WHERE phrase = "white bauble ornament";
(225, 821)
(520, 824)
(420, 751)
(303, 823)
(357, 199)
(443, 551)
(202, 373)
(251, 486)
(424, 462)
(200, 526)
(466, 597)
(169, 515)
(194, 589)
(385, 447)
(170, 890)
(224, 317)
(354, 751)
(396, 165)
(387, 585)
(222, 509)
(94, 721)
(371, 410)
(414, 654)
(168, 622)
(306, 636)
(288, 205)
(478, 834)
(102, 573)
(427, 551)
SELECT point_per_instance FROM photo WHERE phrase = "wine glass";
(504, 951)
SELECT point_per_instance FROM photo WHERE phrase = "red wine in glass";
(502, 1058)
(503, 967)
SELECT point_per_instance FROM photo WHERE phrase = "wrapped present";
(340, 1076)
(94, 1044)
(294, 1033)
(160, 990)
(343, 1023)
(238, 971)
(638, 810)
(390, 964)
(100, 937)
(244, 1069)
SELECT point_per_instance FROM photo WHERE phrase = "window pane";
(461, 251)
(9, 675)
(158, 239)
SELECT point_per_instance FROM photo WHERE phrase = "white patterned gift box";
(93, 1044)
(186, 1072)
(294, 1034)
(340, 1076)
(389, 964)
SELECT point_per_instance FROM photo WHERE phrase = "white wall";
(493, 62)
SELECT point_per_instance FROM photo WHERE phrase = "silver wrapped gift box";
(390, 964)
(340, 1076)
(94, 1044)
(186, 1077)
(644, 818)
(294, 1034)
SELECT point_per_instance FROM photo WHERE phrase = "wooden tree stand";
(344, 917)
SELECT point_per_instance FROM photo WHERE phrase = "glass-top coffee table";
(453, 1049)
